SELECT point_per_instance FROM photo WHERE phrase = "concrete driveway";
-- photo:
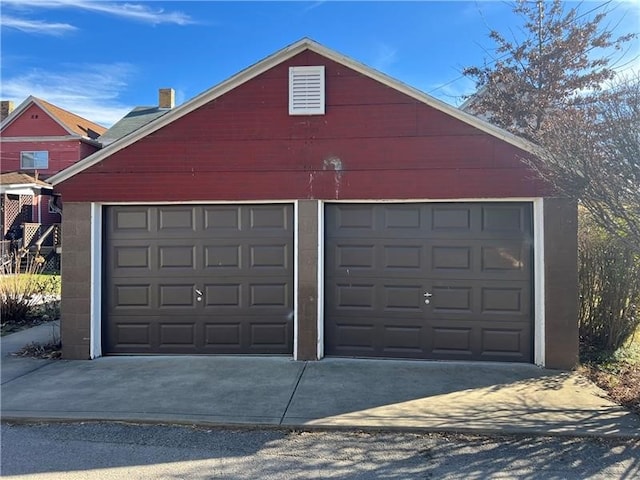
(332, 393)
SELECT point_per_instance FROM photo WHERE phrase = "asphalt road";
(123, 451)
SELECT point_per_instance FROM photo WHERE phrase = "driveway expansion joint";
(293, 392)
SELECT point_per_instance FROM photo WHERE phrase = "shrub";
(21, 292)
(609, 286)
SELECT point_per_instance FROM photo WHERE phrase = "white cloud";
(130, 11)
(385, 56)
(36, 26)
(91, 91)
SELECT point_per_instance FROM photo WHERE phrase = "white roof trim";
(261, 67)
(23, 188)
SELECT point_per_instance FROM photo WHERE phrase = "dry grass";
(27, 298)
(37, 350)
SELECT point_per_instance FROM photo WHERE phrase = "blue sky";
(99, 59)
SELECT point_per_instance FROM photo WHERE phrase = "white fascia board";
(21, 190)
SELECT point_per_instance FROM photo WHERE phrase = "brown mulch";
(622, 384)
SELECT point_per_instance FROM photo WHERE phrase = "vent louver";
(306, 90)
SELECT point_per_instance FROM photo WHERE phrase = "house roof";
(19, 182)
(266, 64)
(72, 123)
(135, 119)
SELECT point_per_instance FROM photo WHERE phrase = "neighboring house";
(313, 206)
(37, 140)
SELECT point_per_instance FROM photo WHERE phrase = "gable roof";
(72, 123)
(266, 64)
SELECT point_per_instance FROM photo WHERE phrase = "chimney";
(6, 107)
(167, 98)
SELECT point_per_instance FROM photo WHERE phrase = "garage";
(198, 279)
(311, 206)
(429, 280)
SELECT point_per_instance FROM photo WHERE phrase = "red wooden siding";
(34, 122)
(62, 154)
(373, 143)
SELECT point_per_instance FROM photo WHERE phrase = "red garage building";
(312, 206)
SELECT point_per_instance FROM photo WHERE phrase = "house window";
(34, 160)
(306, 90)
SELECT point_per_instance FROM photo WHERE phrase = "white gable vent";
(306, 90)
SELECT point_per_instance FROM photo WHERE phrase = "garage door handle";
(427, 295)
(199, 295)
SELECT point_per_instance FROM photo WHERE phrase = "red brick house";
(37, 140)
(312, 206)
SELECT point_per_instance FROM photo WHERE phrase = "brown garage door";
(198, 279)
(438, 280)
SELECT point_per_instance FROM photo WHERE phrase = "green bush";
(609, 286)
(28, 294)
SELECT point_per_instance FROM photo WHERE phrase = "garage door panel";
(352, 296)
(445, 281)
(506, 258)
(402, 298)
(224, 295)
(131, 221)
(450, 257)
(505, 218)
(176, 296)
(351, 337)
(452, 220)
(452, 300)
(503, 341)
(132, 335)
(176, 256)
(199, 279)
(178, 335)
(405, 217)
(220, 218)
(136, 257)
(264, 218)
(403, 257)
(452, 340)
(172, 219)
(223, 256)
